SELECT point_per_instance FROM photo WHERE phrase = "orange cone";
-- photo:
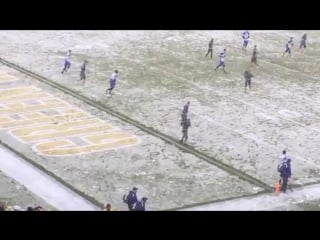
(277, 187)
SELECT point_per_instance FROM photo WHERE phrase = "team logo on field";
(54, 127)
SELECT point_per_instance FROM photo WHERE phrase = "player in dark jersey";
(185, 127)
(184, 113)
(248, 77)
(303, 42)
(254, 58)
(210, 48)
(83, 71)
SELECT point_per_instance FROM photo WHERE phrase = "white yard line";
(296, 157)
(272, 116)
(268, 201)
(279, 117)
(259, 108)
(47, 188)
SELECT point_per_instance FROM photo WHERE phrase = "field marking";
(263, 202)
(22, 107)
(13, 97)
(5, 77)
(9, 91)
(254, 139)
(59, 144)
(64, 133)
(272, 116)
(30, 119)
(202, 87)
(20, 118)
(279, 117)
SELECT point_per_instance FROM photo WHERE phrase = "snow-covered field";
(159, 72)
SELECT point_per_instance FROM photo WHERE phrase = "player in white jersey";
(112, 81)
(221, 63)
(289, 45)
(246, 39)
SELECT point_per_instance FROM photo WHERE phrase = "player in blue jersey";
(67, 62)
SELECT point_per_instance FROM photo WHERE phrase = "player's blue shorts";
(112, 83)
(245, 43)
(221, 64)
(67, 64)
